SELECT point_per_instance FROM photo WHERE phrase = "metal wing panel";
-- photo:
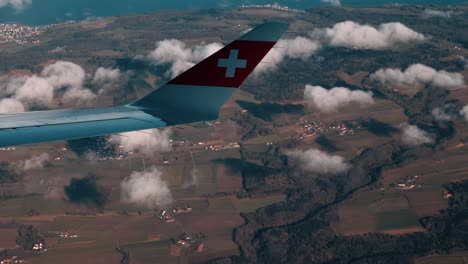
(35, 127)
(196, 95)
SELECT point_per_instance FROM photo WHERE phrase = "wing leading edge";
(196, 95)
(45, 126)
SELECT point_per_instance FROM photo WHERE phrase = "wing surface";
(44, 126)
(196, 95)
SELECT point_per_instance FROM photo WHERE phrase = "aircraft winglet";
(196, 95)
(199, 93)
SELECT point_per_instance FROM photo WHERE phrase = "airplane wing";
(196, 95)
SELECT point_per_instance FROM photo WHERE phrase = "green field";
(19, 207)
(206, 179)
(251, 205)
(376, 212)
(451, 259)
(264, 139)
(176, 175)
(221, 204)
(399, 219)
(202, 157)
(162, 246)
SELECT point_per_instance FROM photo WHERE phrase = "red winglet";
(199, 93)
(212, 71)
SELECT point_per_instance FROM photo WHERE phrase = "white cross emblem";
(232, 63)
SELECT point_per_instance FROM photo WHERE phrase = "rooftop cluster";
(20, 34)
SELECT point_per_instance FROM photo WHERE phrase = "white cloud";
(79, 97)
(10, 105)
(107, 79)
(414, 136)
(437, 13)
(146, 142)
(71, 77)
(332, 2)
(354, 35)
(35, 91)
(35, 162)
(418, 73)
(39, 90)
(465, 61)
(440, 114)
(18, 5)
(8, 86)
(146, 189)
(201, 52)
(64, 74)
(333, 99)
(104, 75)
(179, 67)
(314, 160)
(297, 48)
(179, 56)
(170, 51)
(464, 112)
(58, 49)
(348, 34)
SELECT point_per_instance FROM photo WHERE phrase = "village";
(14, 259)
(274, 7)
(187, 244)
(311, 128)
(20, 34)
(407, 183)
(105, 153)
(168, 216)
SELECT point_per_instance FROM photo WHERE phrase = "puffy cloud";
(201, 52)
(331, 100)
(170, 51)
(107, 79)
(440, 114)
(35, 162)
(104, 75)
(8, 86)
(348, 34)
(10, 105)
(332, 2)
(414, 136)
(179, 67)
(437, 13)
(40, 89)
(58, 49)
(35, 91)
(79, 97)
(297, 48)
(179, 56)
(464, 61)
(71, 76)
(146, 142)
(64, 74)
(464, 112)
(18, 5)
(354, 35)
(314, 160)
(418, 73)
(146, 189)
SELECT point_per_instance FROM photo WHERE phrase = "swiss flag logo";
(232, 63)
(229, 67)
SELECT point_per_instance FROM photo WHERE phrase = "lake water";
(53, 11)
